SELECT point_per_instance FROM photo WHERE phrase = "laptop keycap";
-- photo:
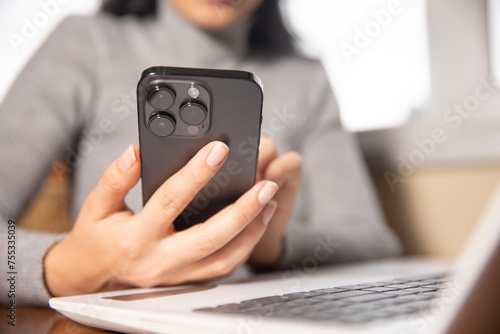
(349, 303)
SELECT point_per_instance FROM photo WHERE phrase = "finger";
(230, 257)
(121, 176)
(285, 171)
(207, 238)
(287, 167)
(267, 153)
(178, 191)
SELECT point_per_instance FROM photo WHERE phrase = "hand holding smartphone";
(180, 110)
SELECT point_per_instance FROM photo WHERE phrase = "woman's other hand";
(286, 171)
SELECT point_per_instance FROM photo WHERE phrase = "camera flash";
(193, 92)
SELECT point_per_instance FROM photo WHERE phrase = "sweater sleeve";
(40, 118)
(337, 216)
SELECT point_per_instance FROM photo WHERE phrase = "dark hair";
(139, 8)
(268, 33)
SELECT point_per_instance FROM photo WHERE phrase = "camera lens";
(162, 124)
(161, 97)
(193, 112)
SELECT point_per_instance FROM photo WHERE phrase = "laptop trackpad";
(161, 293)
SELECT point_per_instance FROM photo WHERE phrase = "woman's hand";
(286, 171)
(109, 245)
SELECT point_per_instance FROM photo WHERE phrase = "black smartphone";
(180, 110)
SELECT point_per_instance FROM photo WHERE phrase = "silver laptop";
(406, 295)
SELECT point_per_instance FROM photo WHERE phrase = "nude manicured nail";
(127, 159)
(269, 211)
(267, 192)
(217, 154)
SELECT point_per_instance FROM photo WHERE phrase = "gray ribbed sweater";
(76, 99)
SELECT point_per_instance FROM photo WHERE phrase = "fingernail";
(217, 154)
(267, 192)
(269, 212)
(127, 159)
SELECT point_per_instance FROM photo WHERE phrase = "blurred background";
(418, 82)
(391, 71)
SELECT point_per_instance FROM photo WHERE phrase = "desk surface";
(42, 321)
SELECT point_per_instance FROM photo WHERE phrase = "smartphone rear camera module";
(193, 112)
(162, 124)
(161, 97)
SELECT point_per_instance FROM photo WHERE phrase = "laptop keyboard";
(349, 304)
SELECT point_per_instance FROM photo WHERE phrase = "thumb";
(121, 176)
